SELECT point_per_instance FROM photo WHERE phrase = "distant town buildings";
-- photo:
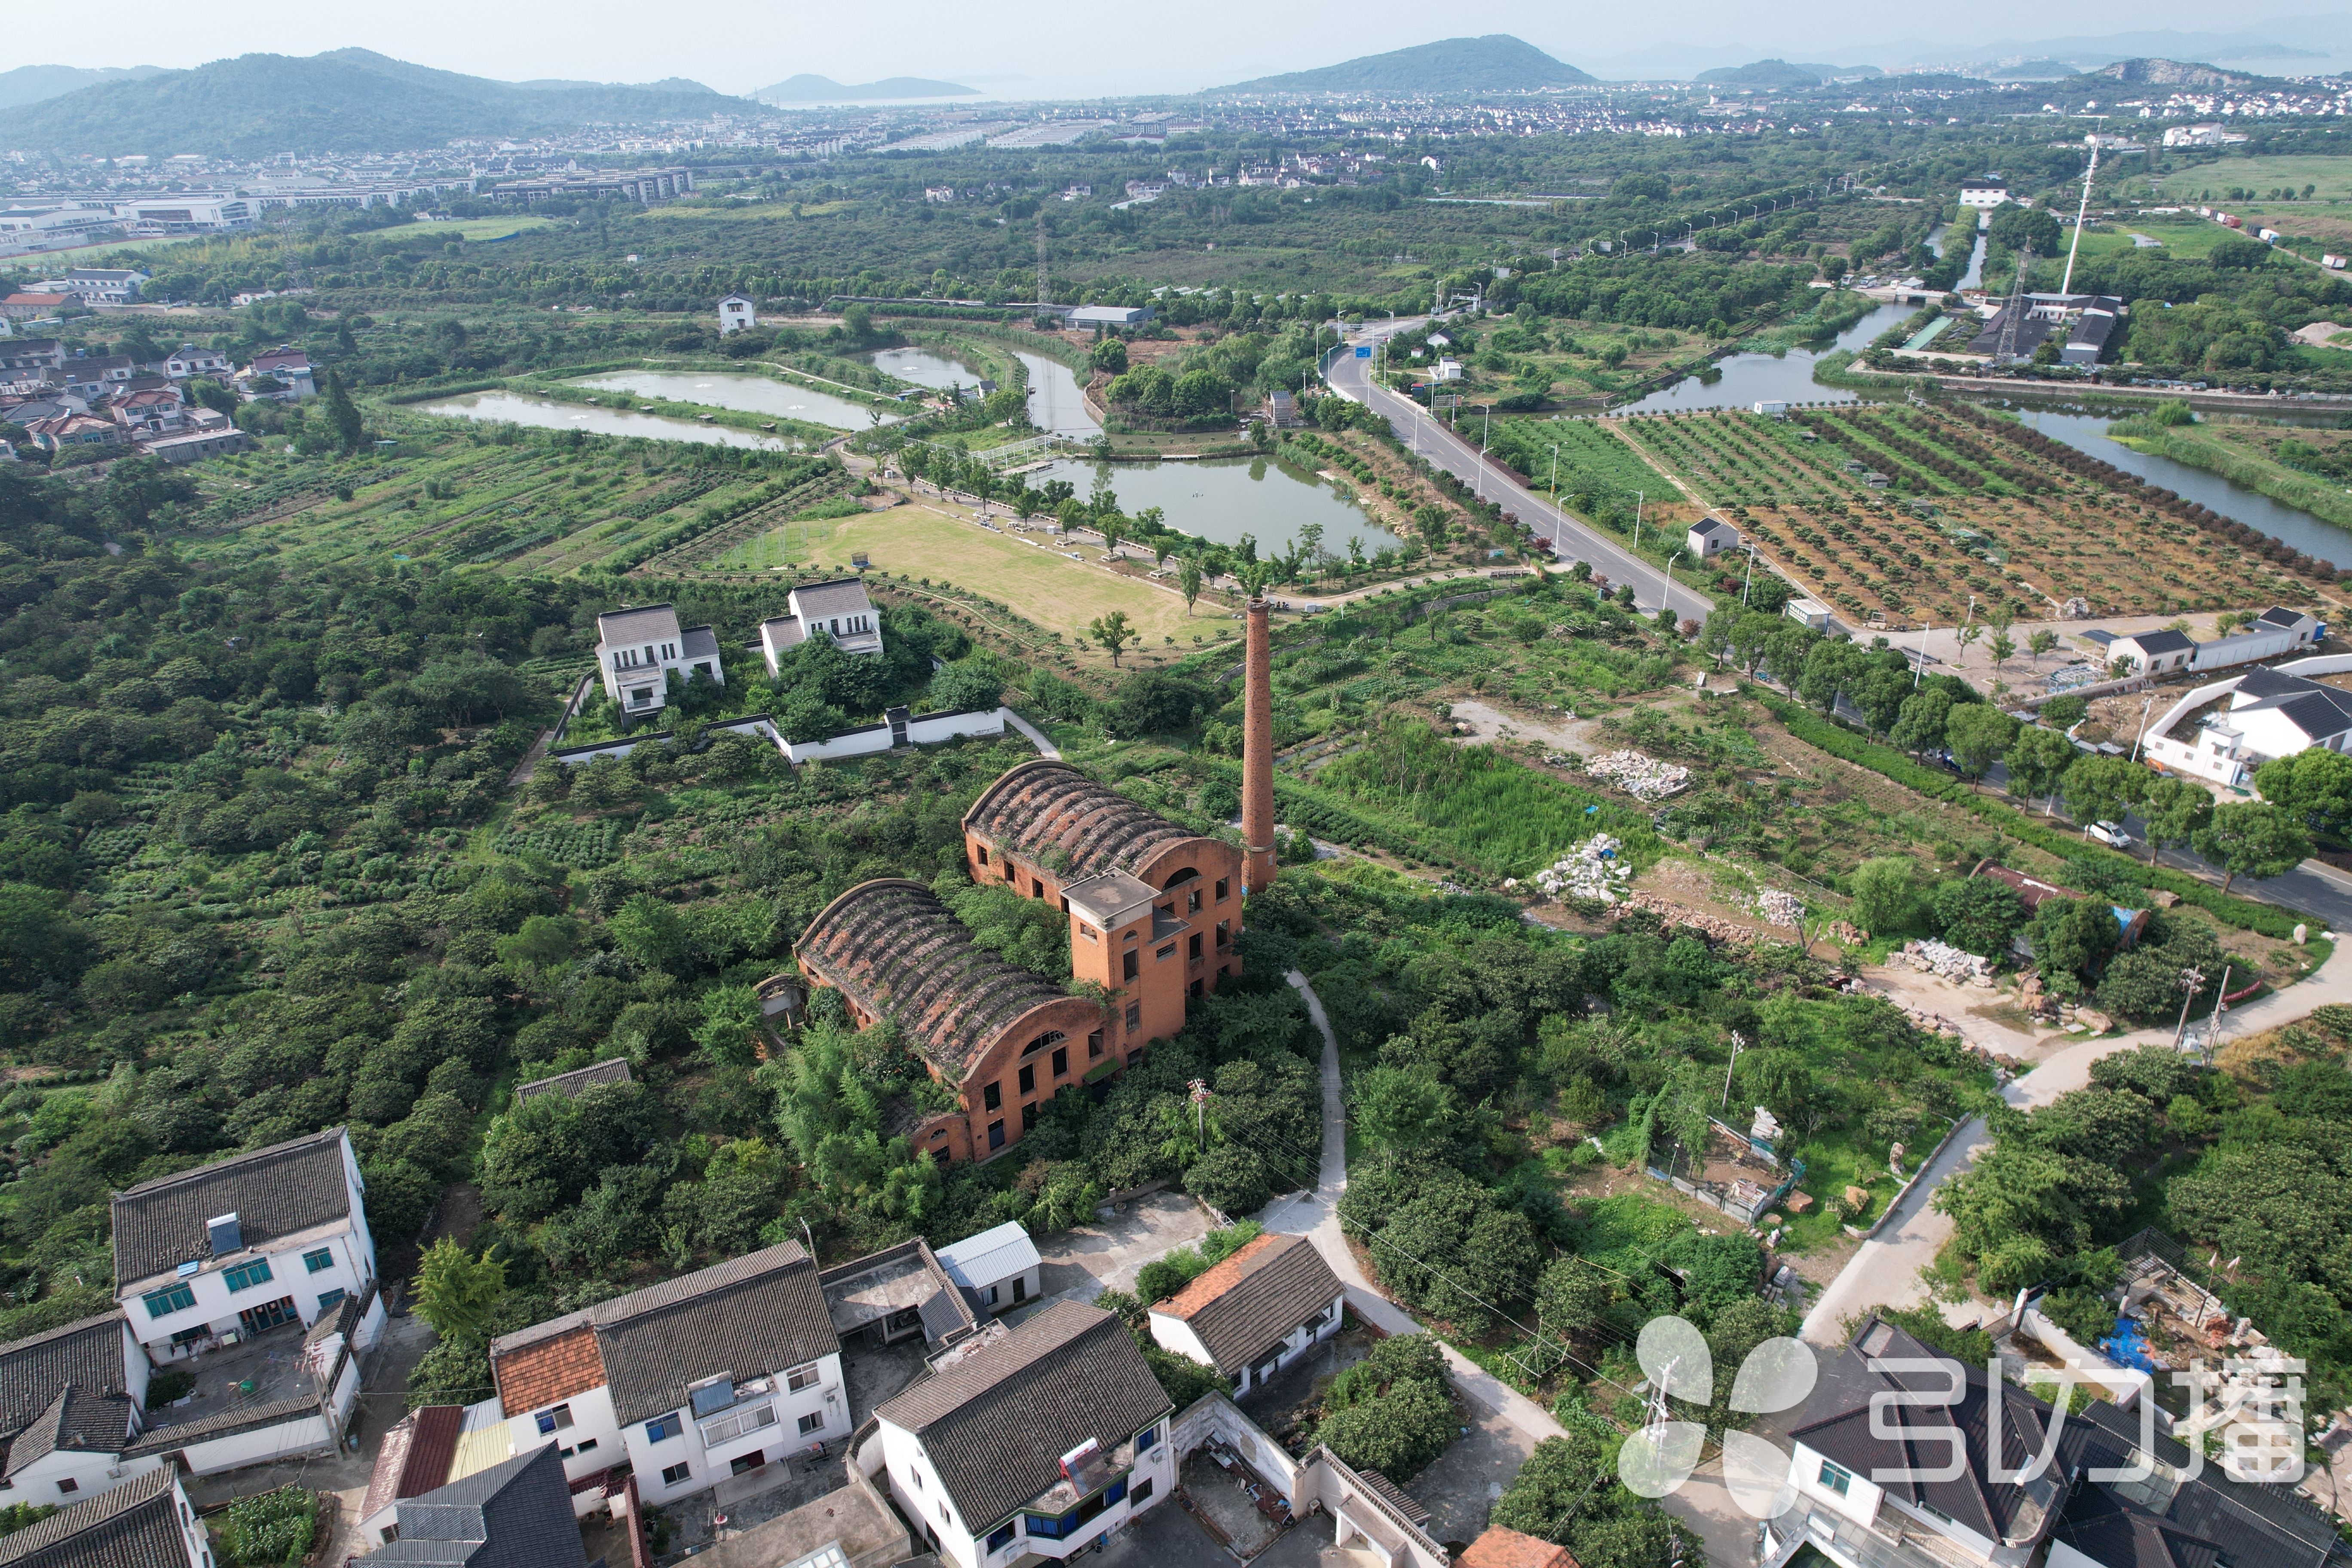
(643, 186)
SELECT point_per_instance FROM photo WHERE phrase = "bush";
(1390, 1412)
(172, 1383)
(269, 1528)
(1231, 1179)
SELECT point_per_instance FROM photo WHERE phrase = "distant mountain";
(1765, 73)
(806, 88)
(31, 84)
(2170, 73)
(347, 101)
(1495, 63)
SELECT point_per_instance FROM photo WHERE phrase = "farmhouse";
(143, 1523)
(1709, 537)
(637, 651)
(515, 1512)
(1254, 1312)
(839, 610)
(69, 1405)
(997, 1270)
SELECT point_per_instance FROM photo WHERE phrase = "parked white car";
(2109, 832)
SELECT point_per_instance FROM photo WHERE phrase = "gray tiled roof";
(77, 1421)
(613, 1069)
(642, 624)
(2161, 641)
(274, 1192)
(2260, 1526)
(996, 1425)
(134, 1525)
(86, 1354)
(697, 642)
(1247, 1303)
(840, 596)
(225, 1423)
(516, 1514)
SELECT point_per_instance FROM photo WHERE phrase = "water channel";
(1056, 405)
(1750, 378)
(514, 408)
(1222, 499)
(747, 393)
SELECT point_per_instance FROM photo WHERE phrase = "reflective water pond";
(1224, 498)
(737, 390)
(1752, 378)
(514, 408)
(1054, 404)
(926, 367)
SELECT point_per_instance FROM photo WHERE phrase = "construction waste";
(1644, 778)
(1932, 957)
(1782, 909)
(1591, 870)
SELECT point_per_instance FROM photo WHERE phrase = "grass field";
(2206, 182)
(777, 548)
(2186, 241)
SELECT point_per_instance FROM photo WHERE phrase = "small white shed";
(998, 1269)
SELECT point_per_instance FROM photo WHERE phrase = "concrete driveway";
(1081, 1263)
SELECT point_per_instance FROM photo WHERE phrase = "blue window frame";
(246, 1276)
(170, 1299)
(318, 1261)
(1000, 1538)
(662, 1428)
(328, 1299)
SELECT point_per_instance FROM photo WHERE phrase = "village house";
(1255, 1312)
(737, 314)
(838, 610)
(229, 1251)
(1709, 537)
(512, 1515)
(612, 1070)
(70, 1403)
(637, 651)
(187, 360)
(997, 1270)
(144, 1523)
(281, 376)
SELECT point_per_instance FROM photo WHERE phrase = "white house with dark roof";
(637, 651)
(239, 1247)
(1031, 1444)
(838, 610)
(316, 1378)
(2155, 652)
(70, 1403)
(1253, 1313)
(1709, 537)
(708, 1375)
(188, 360)
(514, 1515)
(146, 1523)
(998, 1269)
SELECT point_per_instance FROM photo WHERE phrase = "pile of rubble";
(1715, 927)
(1591, 870)
(1932, 957)
(1781, 909)
(1644, 778)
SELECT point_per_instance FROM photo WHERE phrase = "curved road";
(1570, 538)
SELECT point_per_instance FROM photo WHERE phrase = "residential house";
(1255, 1312)
(1984, 194)
(637, 650)
(32, 353)
(1282, 409)
(897, 1294)
(148, 414)
(29, 307)
(75, 430)
(1497, 1547)
(837, 609)
(231, 1249)
(512, 1515)
(96, 375)
(2271, 713)
(2153, 652)
(425, 1450)
(1932, 1491)
(188, 360)
(612, 1070)
(106, 285)
(997, 1270)
(2275, 631)
(736, 314)
(144, 1523)
(70, 1403)
(1448, 369)
(196, 445)
(689, 1382)
(1033, 1443)
(288, 368)
(1709, 537)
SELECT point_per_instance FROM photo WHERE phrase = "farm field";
(2177, 239)
(2212, 182)
(1970, 510)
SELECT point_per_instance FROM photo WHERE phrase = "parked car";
(2109, 832)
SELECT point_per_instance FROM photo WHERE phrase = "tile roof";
(2262, 1526)
(77, 1421)
(839, 596)
(414, 1457)
(1049, 812)
(996, 1424)
(751, 1315)
(1244, 1305)
(697, 642)
(88, 1354)
(517, 1514)
(894, 948)
(227, 1423)
(612, 1070)
(134, 1525)
(642, 624)
(2279, 616)
(279, 1190)
(1499, 1548)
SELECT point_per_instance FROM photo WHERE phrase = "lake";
(926, 367)
(1222, 499)
(744, 392)
(2088, 433)
(1751, 378)
(513, 408)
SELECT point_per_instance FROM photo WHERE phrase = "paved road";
(1885, 1272)
(1570, 538)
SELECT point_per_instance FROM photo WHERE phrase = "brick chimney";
(1258, 753)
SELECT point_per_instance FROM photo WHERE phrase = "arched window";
(1189, 874)
(1049, 1037)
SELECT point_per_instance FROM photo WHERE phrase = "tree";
(342, 415)
(1113, 633)
(1919, 726)
(1188, 579)
(2072, 937)
(1573, 1298)
(1886, 893)
(2251, 840)
(2040, 643)
(2314, 785)
(2174, 812)
(1401, 1109)
(1109, 357)
(2102, 789)
(2003, 647)
(2037, 758)
(458, 1292)
(1976, 734)
(651, 932)
(1979, 914)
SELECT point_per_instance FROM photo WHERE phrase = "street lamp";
(1668, 603)
(1637, 520)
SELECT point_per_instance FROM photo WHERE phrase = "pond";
(513, 408)
(1056, 405)
(926, 367)
(747, 393)
(1222, 499)
(2312, 535)
(1750, 378)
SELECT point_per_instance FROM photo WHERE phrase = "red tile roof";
(1501, 1548)
(534, 1376)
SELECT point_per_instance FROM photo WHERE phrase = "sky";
(1061, 48)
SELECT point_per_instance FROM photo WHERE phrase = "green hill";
(1495, 63)
(31, 84)
(1764, 73)
(806, 88)
(346, 101)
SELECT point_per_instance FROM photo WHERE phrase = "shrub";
(1390, 1412)
(270, 1528)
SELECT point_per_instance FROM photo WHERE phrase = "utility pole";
(1042, 296)
(2190, 979)
(1738, 1044)
(2066, 286)
(2143, 707)
(1637, 520)
(1921, 668)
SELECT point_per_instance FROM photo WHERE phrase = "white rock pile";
(1780, 907)
(1591, 870)
(1644, 778)
(1932, 957)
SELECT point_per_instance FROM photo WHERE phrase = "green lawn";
(2331, 173)
(777, 548)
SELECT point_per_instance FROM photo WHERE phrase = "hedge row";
(1841, 742)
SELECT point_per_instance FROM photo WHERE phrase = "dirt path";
(1987, 1016)
(1566, 734)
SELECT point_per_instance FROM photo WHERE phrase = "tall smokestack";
(1257, 752)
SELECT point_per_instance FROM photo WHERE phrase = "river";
(513, 408)
(1056, 405)
(1222, 499)
(744, 392)
(1749, 378)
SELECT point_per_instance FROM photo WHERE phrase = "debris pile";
(1713, 927)
(1591, 870)
(1932, 957)
(1782, 909)
(1644, 778)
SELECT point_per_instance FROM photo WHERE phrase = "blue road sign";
(1363, 350)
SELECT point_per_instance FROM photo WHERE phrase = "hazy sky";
(1049, 47)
